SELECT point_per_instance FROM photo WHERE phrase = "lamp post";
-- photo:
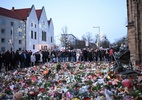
(98, 40)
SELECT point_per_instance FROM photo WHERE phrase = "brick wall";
(134, 13)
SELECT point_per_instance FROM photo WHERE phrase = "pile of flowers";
(70, 81)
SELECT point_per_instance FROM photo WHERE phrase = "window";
(20, 48)
(20, 25)
(35, 35)
(11, 48)
(31, 24)
(20, 33)
(43, 36)
(43, 23)
(2, 40)
(31, 34)
(51, 39)
(11, 32)
(33, 46)
(2, 22)
(2, 30)
(3, 49)
(20, 41)
(12, 23)
(45, 47)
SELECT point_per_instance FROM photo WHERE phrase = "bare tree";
(88, 37)
(65, 30)
(121, 40)
(66, 40)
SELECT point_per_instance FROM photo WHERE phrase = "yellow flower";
(74, 99)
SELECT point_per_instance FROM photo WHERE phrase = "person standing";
(85, 54)
(33, 59)
(7, 60)
(111, 54)
(107, 55)
(1, 61)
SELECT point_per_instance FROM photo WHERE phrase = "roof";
(38, 13)
(20, 14)
(9, 13)
(23, 13)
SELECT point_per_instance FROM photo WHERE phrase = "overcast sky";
(80, 16)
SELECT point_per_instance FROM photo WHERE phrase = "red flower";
(33, 93)
(42, 90)
(59, 81)
(131, 78)
(109, 83)
(33, 78)
(86, 98)
(127, 83)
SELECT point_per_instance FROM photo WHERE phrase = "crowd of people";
(10, 60)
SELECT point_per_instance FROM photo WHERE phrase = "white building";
(25, 29)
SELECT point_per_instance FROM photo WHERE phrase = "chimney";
(12, 8)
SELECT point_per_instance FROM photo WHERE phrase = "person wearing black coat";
(90, 56)
(17, 59)
(23, 58)
(7, 60)
(13, 61)
(1, 60)
(85, 54)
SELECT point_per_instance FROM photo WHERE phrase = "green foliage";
(58, 67)
(58, 95)
(78, 78)
(97, 87)
(81, 66)
(89, 82)
(47, 84)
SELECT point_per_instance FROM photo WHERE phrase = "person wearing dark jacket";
(85, 54)
(17, 59)
(23, 58)
(1, 60)
(7, 60)
(90, 56)
(13, 61)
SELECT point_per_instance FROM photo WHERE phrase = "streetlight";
(98, 40)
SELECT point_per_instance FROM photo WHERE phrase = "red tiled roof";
(9, 13)
(21, 14)
(38, 13)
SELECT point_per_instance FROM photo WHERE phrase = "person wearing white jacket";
(40, 61)
(33, 59)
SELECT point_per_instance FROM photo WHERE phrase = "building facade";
(25, 29)
(68, 41)
(134, 13)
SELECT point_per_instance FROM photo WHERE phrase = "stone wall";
(134, 13)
